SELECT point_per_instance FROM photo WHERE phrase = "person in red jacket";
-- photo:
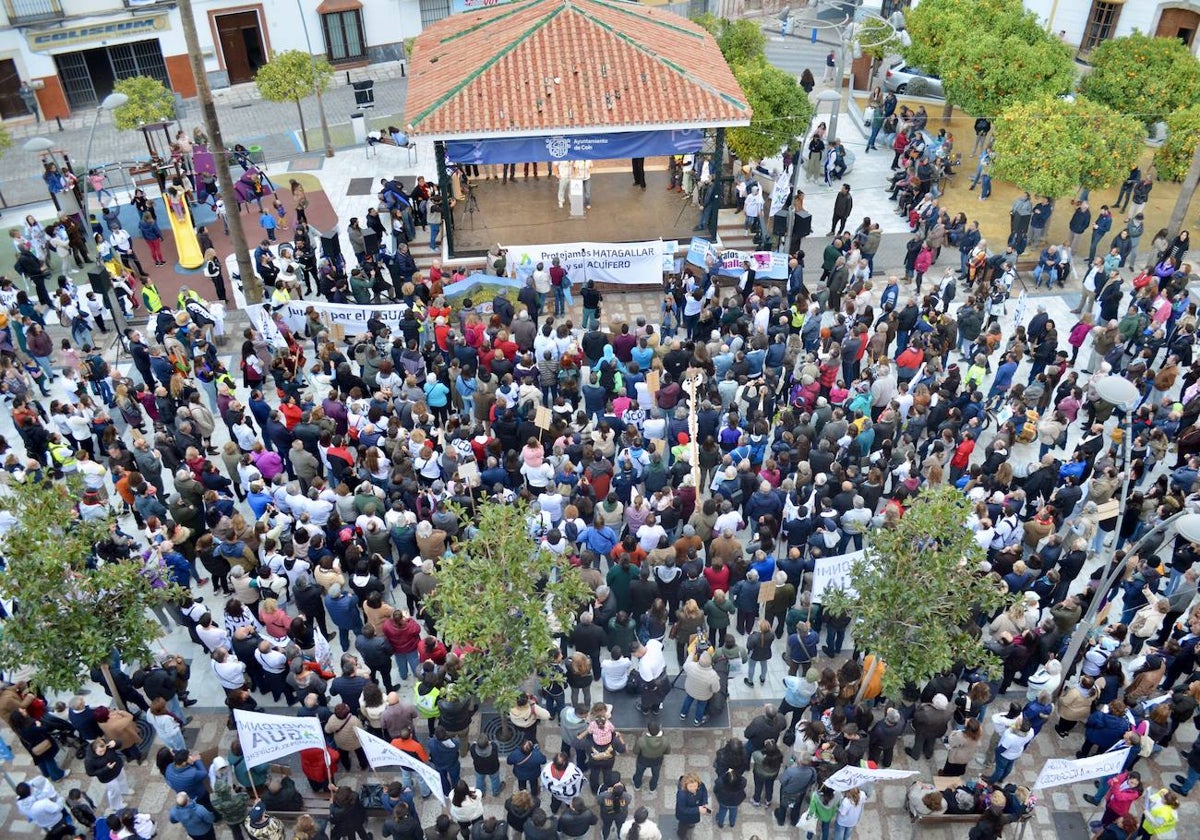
(404, 635)
(319, 767)
(962, 456)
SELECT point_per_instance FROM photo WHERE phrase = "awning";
(329, 7)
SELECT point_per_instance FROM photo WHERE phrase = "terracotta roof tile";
(550, 65)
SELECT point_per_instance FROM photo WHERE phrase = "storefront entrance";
(11, 104)
(241, 45)
(89, 75)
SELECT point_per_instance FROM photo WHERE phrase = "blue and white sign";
(622, 144)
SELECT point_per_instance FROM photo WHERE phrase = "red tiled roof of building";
(555, 65)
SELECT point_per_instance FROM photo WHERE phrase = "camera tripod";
(472, 205)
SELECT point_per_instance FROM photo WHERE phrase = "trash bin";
(256, 155)
(358, 124)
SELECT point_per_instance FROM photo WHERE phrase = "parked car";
(900, 76)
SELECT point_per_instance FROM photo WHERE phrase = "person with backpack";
(95, 370)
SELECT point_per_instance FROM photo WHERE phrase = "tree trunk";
(112, 687)
(1186, 191)
(212, 126)
(947, 111)
(303, 131)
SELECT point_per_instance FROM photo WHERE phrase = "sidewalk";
(245, 119)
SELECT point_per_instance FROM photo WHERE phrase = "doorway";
(11, 104)
(89, 75)
(1179, 23)
(241, 45)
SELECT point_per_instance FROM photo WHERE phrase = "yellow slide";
(185, 236)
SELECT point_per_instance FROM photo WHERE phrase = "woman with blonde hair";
(580, 678)
(849, 812)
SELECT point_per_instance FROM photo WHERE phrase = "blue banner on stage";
(623, 144)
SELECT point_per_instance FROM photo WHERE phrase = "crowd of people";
(304, 491)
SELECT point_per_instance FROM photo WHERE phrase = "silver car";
(900, 76)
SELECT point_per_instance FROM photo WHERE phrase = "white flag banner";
(321, 651)
(1065, 771)
(833, 573)
(382, 754)
(852, 777)
(267, 737)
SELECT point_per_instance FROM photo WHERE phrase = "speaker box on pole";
(371, 242)
(331, 245)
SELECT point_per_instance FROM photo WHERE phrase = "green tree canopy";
(288, 77)
(149, 102)
(495, 594)
(5, 140)
(1174, 156)
(742, 42)
(991, 71)
(782, 111)
(1050, 146)
(917, 592)
(70, 617)
(1143, 77)
(939, 29)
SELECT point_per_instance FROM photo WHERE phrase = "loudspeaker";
(100, 280)
(331, 245)
(371, 242)
(779, 225)
(801, 225)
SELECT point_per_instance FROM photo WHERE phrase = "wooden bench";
(940, 819)
(317, 807)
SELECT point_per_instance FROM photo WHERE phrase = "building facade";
(1086, 23)
(73, 51)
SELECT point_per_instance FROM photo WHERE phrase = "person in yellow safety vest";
(798, 315)
(62, 454)
(1161, 814)
(280, 296)
(185, 295)
(976, 373)
(151, 299)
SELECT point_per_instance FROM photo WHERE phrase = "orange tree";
(1146, 78)
(1051, 145)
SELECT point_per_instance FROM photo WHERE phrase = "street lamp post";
(1120, 392)
(111, 102)
(316, 85)
(1186, 524)
(43, 146)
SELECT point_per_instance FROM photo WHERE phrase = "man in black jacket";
(766, 727)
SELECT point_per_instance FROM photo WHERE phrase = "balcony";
(21, 12)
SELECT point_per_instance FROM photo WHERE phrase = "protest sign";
(468, 471)
(833, 573)
(382, 754)
(852, 777)
(630, 263)
(267, 737)
(1065, 771)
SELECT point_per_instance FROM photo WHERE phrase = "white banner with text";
(267, 737)
(382, 754)
(1068, 771)
(833, 573)
(626, 263)
(852, 777)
